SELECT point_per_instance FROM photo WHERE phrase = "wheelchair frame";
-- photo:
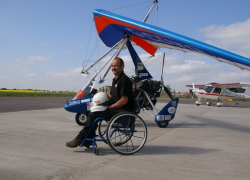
(124, 131)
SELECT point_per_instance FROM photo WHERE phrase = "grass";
(33, 94)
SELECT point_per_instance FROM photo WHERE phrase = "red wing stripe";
(144, 45)
(210, 94)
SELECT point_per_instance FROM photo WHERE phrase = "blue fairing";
(79, 106)
(168, 112)
(139, 66)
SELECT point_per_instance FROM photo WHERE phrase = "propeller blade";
(168, 92)
(193, 90)
(193, 96)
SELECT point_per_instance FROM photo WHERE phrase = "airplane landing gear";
(219, 104)
(209, 102)
(198, 102)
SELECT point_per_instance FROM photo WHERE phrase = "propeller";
(193, 90)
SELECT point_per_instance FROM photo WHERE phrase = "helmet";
(99, 102)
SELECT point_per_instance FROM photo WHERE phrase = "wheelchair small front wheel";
(126, 133)
(96, 151)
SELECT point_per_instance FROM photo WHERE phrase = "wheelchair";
(126, 133)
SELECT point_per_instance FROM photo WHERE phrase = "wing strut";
(85, 71)
(162, 82)
(113, 57)
(165, 88)
(140, 69)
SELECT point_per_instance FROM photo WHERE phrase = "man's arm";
(120, 103)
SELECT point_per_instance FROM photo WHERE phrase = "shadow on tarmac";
(153, 149)
(220, 124)
(157, 149)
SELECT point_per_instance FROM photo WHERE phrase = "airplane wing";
(232, 85)
(197, 86)
(112, 28)
(228, 85)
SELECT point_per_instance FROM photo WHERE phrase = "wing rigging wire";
(152, 17)
(88, 42)
(129, 5)
(139, 11)
(94, 49)
(173, 21)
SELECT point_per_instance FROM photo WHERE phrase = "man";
(121, 99)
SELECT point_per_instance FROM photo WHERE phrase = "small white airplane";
(216, 92)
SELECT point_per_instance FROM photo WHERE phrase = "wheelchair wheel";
(126, 133)
(102, 126)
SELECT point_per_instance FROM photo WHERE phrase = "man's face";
(116, 67)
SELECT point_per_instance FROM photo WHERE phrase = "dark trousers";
(107, 114)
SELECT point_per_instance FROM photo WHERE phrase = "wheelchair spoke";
(126, 133)
(132, 144)
(139, 137)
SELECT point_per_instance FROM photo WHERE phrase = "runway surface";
(200, 143)
(12, 104)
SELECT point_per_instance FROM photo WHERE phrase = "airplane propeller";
(193, 90)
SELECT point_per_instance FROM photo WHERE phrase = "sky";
(45, 44)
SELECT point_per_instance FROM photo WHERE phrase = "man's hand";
(120, 103)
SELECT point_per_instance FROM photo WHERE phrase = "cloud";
(18, 67)
(69, 73)
(33, 59)
(39, 58)
(31, 75)
(235, 36)
(178, 71)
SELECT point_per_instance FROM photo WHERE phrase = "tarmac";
(205, 142)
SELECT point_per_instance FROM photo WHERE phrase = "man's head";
(117, 66)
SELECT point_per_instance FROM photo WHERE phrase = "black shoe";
(75, 142)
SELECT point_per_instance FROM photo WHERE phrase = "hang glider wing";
(112, 28)
(228, 85)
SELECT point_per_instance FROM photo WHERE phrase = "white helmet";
(99, 102)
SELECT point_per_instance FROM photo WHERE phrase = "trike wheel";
(81, 119)
(162, 124)
(126, 133)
